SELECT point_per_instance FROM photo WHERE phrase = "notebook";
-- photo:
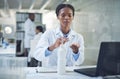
(108, 61)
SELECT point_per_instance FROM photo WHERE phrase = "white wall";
(50, 19)
(98, 22)
(9, 19)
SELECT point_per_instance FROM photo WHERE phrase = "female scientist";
(49, 43)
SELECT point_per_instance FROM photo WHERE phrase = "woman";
(39, 32)
(31, 61)
(51, 40)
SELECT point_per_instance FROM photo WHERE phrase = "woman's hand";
(58, 42)
(75, 48)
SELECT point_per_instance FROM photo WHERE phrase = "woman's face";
(37, 31)
(65, 17)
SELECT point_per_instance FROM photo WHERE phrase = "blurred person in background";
(29, 27)
(32, 62)
(39, 32)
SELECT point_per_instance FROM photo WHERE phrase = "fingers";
(75, 47)
(60, 41)
(63, 40)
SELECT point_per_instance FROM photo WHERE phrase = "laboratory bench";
(41, 73)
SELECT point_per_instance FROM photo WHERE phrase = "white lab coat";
(29, 28)
(33, 44)
(37, 36)
(49, 37)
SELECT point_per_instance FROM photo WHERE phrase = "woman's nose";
(66, 17)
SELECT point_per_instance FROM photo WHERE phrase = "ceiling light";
(67, 0)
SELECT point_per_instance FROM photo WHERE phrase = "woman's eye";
(70, 15)
(63, 15)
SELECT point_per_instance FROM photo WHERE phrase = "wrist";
(51, 48)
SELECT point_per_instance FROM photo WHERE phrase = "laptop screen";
(109, 59)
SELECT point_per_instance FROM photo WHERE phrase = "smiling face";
(65, 17)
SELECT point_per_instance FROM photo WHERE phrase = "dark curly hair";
(60, 6)
(40, 28)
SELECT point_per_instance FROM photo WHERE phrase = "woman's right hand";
(58, 42)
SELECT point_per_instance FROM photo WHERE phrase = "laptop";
(108, 63)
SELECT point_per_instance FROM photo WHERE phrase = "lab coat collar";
(40, 33)
(59, 33)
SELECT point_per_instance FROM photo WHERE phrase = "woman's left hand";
(75, 48)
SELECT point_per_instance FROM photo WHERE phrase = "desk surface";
(69, 75)
(41, 74)
(30, 73)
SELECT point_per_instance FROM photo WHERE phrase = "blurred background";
(96, 20)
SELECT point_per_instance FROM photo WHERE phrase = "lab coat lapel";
(58, 33)
(71, 35)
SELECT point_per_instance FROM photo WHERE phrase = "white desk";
(30, 73)
(70, 74)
